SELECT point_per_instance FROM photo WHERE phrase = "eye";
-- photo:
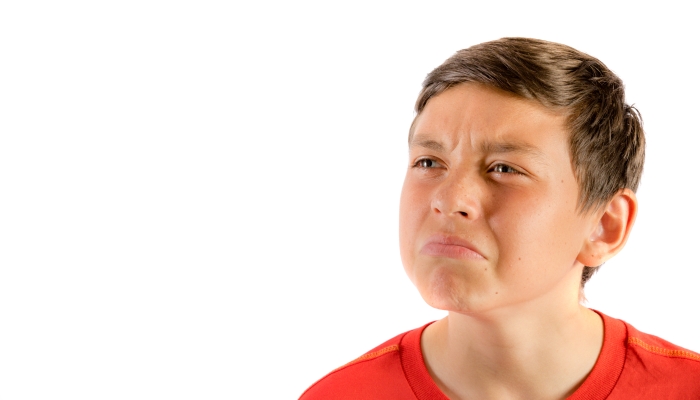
(504, 169)
(427, 163)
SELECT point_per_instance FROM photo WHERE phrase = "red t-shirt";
(631, 365)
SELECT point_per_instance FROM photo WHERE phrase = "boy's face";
(489, 205)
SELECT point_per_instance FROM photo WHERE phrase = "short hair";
(606, 141)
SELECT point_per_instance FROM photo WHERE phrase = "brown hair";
(607, 140)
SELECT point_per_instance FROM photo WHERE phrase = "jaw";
(476, 293)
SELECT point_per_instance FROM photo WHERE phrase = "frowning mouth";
(450, 247)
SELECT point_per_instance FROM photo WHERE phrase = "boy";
(523, 163)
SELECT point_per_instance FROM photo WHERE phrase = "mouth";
(450, 247)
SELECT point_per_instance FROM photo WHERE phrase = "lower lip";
(450, 251)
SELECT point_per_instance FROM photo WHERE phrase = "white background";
(199, 199)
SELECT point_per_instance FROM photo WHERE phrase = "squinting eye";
(426, 163)
(504, 169)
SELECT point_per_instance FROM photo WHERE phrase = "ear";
(611, 229)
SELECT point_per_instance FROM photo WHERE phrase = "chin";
(444, 291)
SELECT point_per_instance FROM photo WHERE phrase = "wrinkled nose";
(459, 197)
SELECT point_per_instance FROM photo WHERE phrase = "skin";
(490, 231)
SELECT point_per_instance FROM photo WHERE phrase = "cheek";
(411, 211)
(520, 224)
(540, 230)
(405, 224)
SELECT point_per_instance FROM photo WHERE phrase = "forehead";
(480, 113)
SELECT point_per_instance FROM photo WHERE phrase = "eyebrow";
(427, 143)
(512, 147)
(502, 147)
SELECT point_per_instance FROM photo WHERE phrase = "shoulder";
(660, 349)
(658, 368)
(377, 374)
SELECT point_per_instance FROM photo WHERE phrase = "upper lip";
(452, 240)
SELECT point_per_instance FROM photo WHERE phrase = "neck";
(524, 351)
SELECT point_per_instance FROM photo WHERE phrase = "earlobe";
(611, 231)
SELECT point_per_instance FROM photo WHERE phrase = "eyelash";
(514, 171)
(419, 161)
